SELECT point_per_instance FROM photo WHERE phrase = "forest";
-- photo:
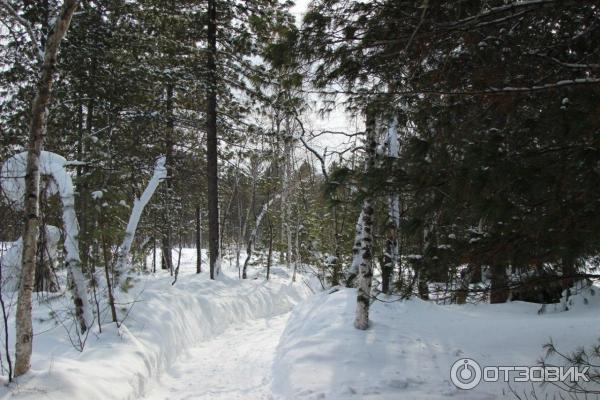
(327, 199)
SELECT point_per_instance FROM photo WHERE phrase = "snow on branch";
(511, 8)
(12, 179)
(482, 92)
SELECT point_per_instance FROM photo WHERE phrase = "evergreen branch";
(484, 92)
(28, 28)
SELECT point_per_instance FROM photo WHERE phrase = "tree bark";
(356, 252)
(160, 173)
(568, 272)
(391, 256)
(37, 133)
(167, 246)
(111, 299)
(270, 255)
(211, 141)
(252, 238)
(365, 269)
(198, 240)
(499, 285)
(388, 261)
(336, 271)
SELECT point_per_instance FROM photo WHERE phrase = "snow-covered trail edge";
(235, 365)
(166, 321)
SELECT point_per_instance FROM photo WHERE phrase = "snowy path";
(235, 365)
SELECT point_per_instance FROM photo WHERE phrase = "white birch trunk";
(286, 189)
(365, 274)
(253, 234)
(365, 270)
(53, 165)
(160, 173)
(391, 255)
(37, 132)
(356, 251)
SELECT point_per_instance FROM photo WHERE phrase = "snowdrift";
(164, 322)
(408, 351)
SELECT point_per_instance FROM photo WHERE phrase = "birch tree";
(160, 174)
(390, 258)
(364, 256)
(37, 133)
(252, 239)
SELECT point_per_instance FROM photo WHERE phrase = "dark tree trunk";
(475, 273)
(422, 286)
(270, 256)
(499, 284)
(45, 278)
(153, 255)
(568, 272)
(198, 241)
(336, 270)
(107, 268)
(211, 140)
(167, 245)
(387, 268)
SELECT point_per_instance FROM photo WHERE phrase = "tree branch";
(25, 24)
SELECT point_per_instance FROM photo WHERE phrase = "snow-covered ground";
(408, 351)
(236, 365)
(164, 324)
(232, 339)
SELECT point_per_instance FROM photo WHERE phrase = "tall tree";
(365, 258)
(211, 141)
(37, 133)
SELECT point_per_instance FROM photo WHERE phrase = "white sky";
(338, 120)
(299, 8)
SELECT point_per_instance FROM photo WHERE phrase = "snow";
(12, 179)
(235, 365)
(12, 176)
(11, 259)
(411, 345)
(252, 339)
(166, 325)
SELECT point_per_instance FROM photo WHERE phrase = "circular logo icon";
(465, 374)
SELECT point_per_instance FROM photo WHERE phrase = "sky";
(299, 8)
(337, 121)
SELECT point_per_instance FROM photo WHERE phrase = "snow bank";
(11, 259)
(409, 349)
(165, 321)
(12, 179)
